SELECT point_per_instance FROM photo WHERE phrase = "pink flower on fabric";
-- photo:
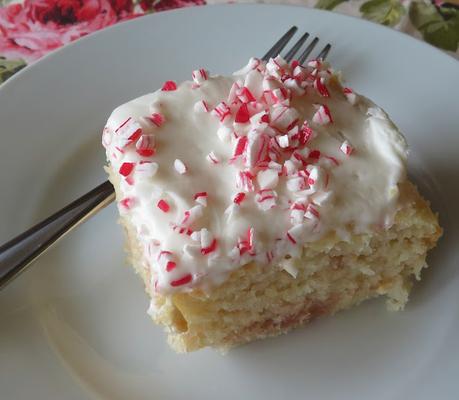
(162, 5)
(36, 27)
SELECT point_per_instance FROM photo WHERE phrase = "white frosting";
(194, 199)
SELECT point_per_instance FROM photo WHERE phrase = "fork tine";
(291, 53)
(280, 44)
(307, 51)
(324, 52)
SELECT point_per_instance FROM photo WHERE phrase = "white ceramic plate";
(75, 325)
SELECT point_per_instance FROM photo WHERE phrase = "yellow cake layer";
(258, 301)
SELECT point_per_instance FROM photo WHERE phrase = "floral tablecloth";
(30, 29)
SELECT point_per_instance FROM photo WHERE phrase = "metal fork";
(19, 252)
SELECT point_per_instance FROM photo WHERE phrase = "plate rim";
(198, 8)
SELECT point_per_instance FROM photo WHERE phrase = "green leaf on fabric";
(9, 67)
(439, 27)
(3, 3)
(328, 4)
(386, 12)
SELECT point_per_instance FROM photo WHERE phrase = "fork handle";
(19, 252)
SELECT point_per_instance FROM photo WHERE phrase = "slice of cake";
(257, 202)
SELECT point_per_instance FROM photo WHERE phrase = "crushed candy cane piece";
(201, 198)
(244, 181)
(128, 132)
(212, 158)
(169, 86)
(170, 266)
(199, 76)
(266, 199)
(239, 198)
(146, 169)
(182, 281)
(350, 95)
(201, 106)
(157, 119)
(180, 166)
(242, 115)
(268, 179)
(163, 205)
(126, 168)
(283, 141)
(346, 148)
(322, 116)
(128, 202)
(145, 145)
(319, 85)
(192, 215)
(221, 111)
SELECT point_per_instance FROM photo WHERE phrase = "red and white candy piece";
(201, 198)
(283, 141)
(208, 242)
(268, 179)
(299, 72)
(169, 86)
(276, 67)
(145, 145)
(296, 216)
(240, 146)
(275, 166)
(242, 114)
(322, 116)
(232, 96)
(127, 203)
(346, 148)
(294, 86)
(244, 181)
(254, 63)
(239, 198)
(163, 205)
(317, 177)
(306, 134)
(212, 158)
(199, 76)
(296, 183)
(182, 281)
(295, 234)
(253, 82)
(312, 212)
(266, 199)
(321, 198)
(319, 85)
(221, 111)
(244, 95)
(128, 132)
(181, 230)
(145, 170)
(350, 95)
(166, 261)
(126, 168)
(180, 166)
(192, 215)
(257, 148)
(157, 119)
(201, 106)
(290, 167)
(283, 117)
